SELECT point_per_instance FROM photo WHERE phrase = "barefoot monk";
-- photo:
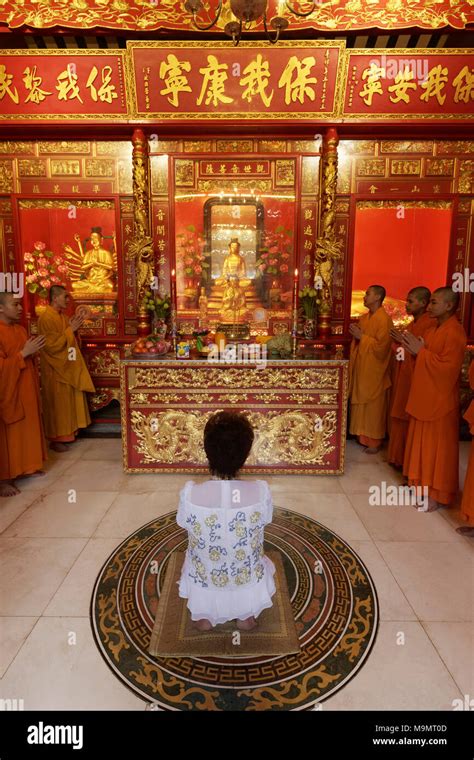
(64, 376)
(22, 446)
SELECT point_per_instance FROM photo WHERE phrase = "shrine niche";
(234, 238)
(79, 237)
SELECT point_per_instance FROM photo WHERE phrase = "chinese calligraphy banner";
(147, 15)
(416, 84)
(215, 80)
(62, 85)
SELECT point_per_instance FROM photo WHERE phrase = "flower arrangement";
(190, 262)
(159, 305)
(43, 269)
(309, 302)
(275, 254)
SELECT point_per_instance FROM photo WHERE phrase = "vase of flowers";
(273, 261)
(309, 307)
(43, 269)
(190, 261)
(159, 307)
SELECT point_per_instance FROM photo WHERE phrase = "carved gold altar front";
(297, 408)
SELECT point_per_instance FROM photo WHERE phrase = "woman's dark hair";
(228, 438)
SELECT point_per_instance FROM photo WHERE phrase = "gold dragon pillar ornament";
(140, 248)
(328, 249)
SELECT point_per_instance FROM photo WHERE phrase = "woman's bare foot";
(58, 446)
(8, 488)
(203, 625)
(247, 625)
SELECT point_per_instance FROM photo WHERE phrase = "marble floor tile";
(358, 477)
(455, 644)
(104, 448)
(393, 604)
(437, 578)
(332, 510)
(402, 523)
(85, 475)
(31, 571)
(14, 506)
(54, 516)
(396, 676)
(132, 510)
(60, 668)
(73, 597)
(13, 633)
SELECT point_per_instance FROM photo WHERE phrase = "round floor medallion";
(334, 605)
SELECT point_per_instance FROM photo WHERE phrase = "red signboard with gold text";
(416, 84)
(254, 81)
(62, 85)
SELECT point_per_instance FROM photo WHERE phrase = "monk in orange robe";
(467, 503)
(417, 302)
(432, 448)
(22, 446)
(369, 371)
(64, 375)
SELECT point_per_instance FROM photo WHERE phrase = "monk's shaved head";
(379, 291)
(449, 296)
(55, 290)
(5, 297)
(421, 293)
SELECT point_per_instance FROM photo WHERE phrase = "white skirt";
(221, 605)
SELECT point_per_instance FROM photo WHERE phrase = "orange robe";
(467, 504)
(22, 445)
(64, 378)
(432, 448)
(369, 373)
(401, 382)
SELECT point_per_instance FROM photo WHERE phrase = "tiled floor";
(54, 542)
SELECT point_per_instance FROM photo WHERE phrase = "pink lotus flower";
(31, 278)
(29, 257)
(284, 268)
(43, 272)
(188, 261)
(264, 255)
(45, 283)
(62, 268)
(273, 249)
(39, 246)
(42, 261)
(273, 262)
(285, 255)
(58, 260)
(55, 279)
(262, 267)
(198, 269)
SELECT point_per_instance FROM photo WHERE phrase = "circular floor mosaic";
(334, 605)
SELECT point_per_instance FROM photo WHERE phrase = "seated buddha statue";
(96, 265)
(234, 279)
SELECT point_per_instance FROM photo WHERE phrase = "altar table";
(296, 406)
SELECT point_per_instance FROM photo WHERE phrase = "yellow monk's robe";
(22, 444)
(64, 380)
(467, 504)
(432, 448)
(401, 383)
(369, 378)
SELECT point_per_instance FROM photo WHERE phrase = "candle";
(173, 307)
(295, 312)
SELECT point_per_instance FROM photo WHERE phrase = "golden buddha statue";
(235, 281)
(93, 269)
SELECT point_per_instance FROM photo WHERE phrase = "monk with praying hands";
(22, 446)
(417, 302)
(467, 504)
(64, 376)
(432, 448)
(369, 371)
